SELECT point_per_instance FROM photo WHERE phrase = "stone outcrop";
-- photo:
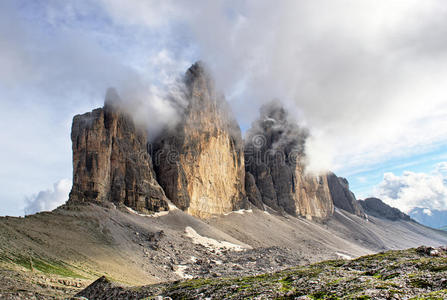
(377, 208)
(200, 162)
(274, 154)
(342, 197)
(111, 160)
(253, 194)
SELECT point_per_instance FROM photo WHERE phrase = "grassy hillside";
(409, 274)
(53, 255)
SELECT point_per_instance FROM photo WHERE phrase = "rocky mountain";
(200, 163)
(274, 154)
(342, 196)
(197, 201)
(111, 162)
(376, 207)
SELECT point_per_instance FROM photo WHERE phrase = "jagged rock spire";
(200, 163)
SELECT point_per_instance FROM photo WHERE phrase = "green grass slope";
(409, 274)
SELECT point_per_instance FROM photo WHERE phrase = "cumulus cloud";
(365, 76)
(49, 199)
(427, 191)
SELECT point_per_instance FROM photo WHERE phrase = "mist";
(366, 78)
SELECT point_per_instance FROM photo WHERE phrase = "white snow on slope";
(210, 243)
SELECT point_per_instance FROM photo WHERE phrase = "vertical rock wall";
(341, 195)
(274, 153)
(200, 163)
(111, 161)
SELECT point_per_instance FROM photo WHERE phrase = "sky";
(368, 78)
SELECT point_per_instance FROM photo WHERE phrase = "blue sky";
(361, 181)
(367, 78)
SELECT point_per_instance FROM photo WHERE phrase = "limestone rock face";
(253, 194)
(111, 160)
(200, 162)
(341, 195)
(274, 153)
(377, 208)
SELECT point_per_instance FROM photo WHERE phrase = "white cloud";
(49, 199)
(366, 76)
(415, 190)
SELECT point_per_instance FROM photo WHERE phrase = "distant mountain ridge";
(378, 208)
(429, 217)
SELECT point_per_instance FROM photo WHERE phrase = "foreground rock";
(200, 163)
(111, 162)
(274, 155)
(390, 275)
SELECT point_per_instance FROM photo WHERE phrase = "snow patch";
(154, 215)
(343, 256)
(427, 212)
(210, 243)
(172, 206)
(240, 211)
(181, 272)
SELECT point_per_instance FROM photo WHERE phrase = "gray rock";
(377, 208)
(341, 195)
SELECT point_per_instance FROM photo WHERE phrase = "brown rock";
(111, 161)
(200, 163)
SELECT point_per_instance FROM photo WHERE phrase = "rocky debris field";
(419, 273)
(208, 261)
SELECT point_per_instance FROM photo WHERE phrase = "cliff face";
(111, 161)
(200, 163)
(341, 195)
(273, 153)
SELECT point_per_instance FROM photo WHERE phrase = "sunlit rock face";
(111, 161)
(341, 195)
(200, 162)
(274, 152)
